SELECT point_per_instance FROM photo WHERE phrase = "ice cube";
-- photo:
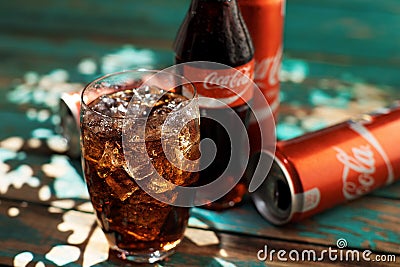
(117, 157)
(140, 170)
(106, 158)
(108, 101)
(157, 184)
(137, 110)
(111, 159)
(121, 184)
(145, 218)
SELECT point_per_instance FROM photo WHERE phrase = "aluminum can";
(69, 110)
(319, 170)
(265, 22)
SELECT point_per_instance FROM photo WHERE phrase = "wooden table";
(341, 58)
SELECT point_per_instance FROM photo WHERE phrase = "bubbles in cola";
(131, 219)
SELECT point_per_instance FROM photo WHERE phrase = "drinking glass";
(132, 161)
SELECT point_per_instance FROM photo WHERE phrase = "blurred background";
(340, 57)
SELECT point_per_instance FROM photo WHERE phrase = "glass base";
(152, 257)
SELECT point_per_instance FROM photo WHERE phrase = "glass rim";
(143, 70)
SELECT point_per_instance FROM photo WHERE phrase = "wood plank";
(43, 233)
(345, 32)
(360, 222)
(37, 149)
(19, 45)
(43, 54)
(231, 246)
(392, 191)
(26, 124)
(365, 30)
(322, 68)
(51, 236)
(44, 179)
(367, 223)
(386, 6)
(150, 19)
(300, 81)
(38, 178)
(326, 94)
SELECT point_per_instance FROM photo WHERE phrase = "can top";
(275, 198)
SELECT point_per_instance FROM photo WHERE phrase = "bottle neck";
(213, 10)
(214, 30)
(200, 4)
(214, 1)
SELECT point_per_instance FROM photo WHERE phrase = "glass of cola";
(133, 159)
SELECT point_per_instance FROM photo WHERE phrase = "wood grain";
(40, 232)
(367, 223)
(364, 30)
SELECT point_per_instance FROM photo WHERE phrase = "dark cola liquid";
(215, 131)
(133, 221)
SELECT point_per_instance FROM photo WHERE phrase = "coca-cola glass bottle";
(214, 31)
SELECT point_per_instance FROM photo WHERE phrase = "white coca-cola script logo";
(363, 162)
(233, 80)
(268, 68)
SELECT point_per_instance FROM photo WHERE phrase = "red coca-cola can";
(69, 111)
(265, 22)
(319, 170)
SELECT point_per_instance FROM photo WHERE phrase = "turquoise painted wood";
(360, 222)
(366, 31)
(152, 19)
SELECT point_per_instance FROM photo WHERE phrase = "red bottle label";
(231, 86)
